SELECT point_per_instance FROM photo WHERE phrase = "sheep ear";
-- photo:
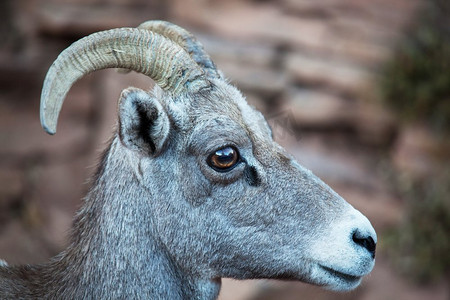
(143, 122)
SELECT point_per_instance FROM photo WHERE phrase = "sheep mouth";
(340, 275)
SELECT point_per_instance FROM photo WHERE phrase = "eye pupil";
(223, 159)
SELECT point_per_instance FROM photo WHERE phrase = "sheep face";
(231, 201)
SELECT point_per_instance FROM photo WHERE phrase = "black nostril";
(366, 242)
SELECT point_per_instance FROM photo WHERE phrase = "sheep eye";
(224, 159)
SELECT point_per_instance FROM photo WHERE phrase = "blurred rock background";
(358, 91)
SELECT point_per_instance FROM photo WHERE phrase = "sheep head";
(225, 200)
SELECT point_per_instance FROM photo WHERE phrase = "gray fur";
(159, 223)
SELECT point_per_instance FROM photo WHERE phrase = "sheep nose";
(365, 241)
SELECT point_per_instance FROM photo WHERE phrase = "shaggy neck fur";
(114, 252)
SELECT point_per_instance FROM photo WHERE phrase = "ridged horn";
(187, 41)
(135, 49)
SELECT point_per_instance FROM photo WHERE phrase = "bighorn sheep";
(192, 188)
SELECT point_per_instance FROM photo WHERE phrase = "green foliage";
(420, 248)
(416, 82)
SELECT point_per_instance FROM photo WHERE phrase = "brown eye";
(223, 159)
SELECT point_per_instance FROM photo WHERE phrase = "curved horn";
(135, 49)
(187, 41)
